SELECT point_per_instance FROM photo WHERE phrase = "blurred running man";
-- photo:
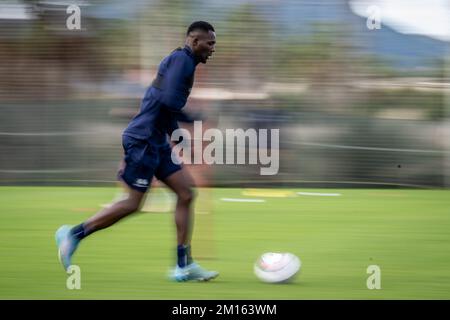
(148, 153)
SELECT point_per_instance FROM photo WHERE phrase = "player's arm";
(176, 88)
(187, 117)
(181, 116)
(173, 125)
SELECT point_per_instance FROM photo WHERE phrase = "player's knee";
(186, 195)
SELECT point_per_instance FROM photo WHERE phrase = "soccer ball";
(277, 267)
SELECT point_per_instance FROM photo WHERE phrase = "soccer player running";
(148, 153)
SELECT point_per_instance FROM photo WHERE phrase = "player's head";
(201, 37)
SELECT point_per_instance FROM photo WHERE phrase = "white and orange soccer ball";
(274, 267)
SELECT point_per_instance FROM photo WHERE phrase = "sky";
(430, 18)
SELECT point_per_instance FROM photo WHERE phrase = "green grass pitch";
(404, 232)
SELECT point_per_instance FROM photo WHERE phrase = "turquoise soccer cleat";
(67, 245)
(178, 274)
(192, 272)
(195, 272)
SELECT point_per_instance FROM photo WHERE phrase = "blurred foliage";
(317, 84)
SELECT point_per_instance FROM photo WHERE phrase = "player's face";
(204, 45)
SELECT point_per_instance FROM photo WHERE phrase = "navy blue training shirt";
(164, 99)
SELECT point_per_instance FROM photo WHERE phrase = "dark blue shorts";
(143, 161)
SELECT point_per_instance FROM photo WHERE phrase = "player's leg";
(182, 184)
(119, 210)
(137, 176)
(68, 238)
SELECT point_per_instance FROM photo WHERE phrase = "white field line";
(319, 194)
(242, 200)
